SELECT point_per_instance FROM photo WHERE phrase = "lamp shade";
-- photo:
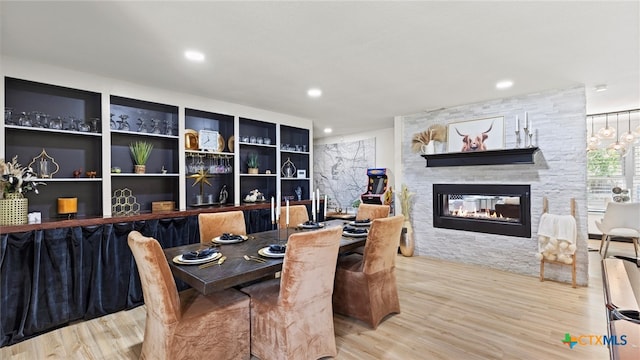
(67, 205)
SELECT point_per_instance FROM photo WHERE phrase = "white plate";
(179, 260)
(318, 226)
(220, 241)
(265, 252)
(353, 223)
(344, 233)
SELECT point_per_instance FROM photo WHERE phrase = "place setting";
(361, 223)
(273, 251)
(310, 224)
(352, 231)
(198, 257)
(227, 238)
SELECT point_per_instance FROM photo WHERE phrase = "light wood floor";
(449, 311)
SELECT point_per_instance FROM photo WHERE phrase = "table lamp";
(67, 206)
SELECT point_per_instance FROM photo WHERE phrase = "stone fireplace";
(486, 208)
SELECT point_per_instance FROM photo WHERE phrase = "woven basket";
(13, 209)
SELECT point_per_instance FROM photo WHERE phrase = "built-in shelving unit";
(489, 157)
(88, 131)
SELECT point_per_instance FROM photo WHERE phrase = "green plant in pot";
(140, 151)
(252, 163)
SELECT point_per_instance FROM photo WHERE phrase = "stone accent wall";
(559, 173)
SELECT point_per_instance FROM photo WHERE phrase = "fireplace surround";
(485, 208)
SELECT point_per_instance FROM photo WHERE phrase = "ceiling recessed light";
(327, 130)
(314, 92)
(601, 87)
(504, 84)
(194, 55)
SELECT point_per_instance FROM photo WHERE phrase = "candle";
(325, 207)
(526, 120)
(517, 123)
(313, 206)
(273, 211)
(287, 222)
(318, 197)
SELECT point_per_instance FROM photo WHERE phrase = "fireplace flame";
(483, 214)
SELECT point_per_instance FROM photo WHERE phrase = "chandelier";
(606, 138)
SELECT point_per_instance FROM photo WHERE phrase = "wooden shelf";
(490, 157)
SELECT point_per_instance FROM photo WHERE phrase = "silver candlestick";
(517, 138)
(530, 138)
(526, 135)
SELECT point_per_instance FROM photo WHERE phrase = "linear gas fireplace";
(485, 208)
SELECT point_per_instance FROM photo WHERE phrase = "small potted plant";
(15, 182)
(140, 151)
(252, 163)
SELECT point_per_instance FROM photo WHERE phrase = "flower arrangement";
(17, 179)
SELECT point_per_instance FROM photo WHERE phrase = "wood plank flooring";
(449, 311)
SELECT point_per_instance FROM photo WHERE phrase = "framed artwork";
(476, 135)
(302, 173)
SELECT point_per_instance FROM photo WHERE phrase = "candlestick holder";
(517, 138)
(530, 138)
(526, 136)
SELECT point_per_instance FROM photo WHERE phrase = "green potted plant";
(252, 163)
(140, 151)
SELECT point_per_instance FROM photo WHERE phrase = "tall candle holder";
(517, 138)
(530, 138)
(526, 135)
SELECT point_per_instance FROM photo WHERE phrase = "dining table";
(236, 270)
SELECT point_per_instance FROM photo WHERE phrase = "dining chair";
(621, 220)
(187, 325)
(298, 214)
(365, 285)
(216, 224)
(372, 211)
(291, 317)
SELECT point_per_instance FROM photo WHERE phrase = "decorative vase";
(13, 209)
(252, 170)
(139, 169)
(407, 243)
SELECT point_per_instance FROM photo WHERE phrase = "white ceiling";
(373, 60)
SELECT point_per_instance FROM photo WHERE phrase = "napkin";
(353, 230)
(277, 249)
(199, 254)
(227, 236)
(363, 221)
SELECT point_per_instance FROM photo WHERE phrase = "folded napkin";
(227, 236)
(363, 221)
(277, 249)
(199, 254)
(352, 230)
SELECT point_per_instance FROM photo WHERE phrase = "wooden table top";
(236, 270)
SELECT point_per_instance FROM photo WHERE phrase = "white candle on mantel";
(273, 212)
(526, 119)
(287, 213)
(517, 123)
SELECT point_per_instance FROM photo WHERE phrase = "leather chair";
(291, 317)
(297, 215)
(372, 211)
(365, 285)
(187, 325)
(216, 224)
(621, 220)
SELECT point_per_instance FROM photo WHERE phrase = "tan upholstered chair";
(365, 286)
(187, 325)
(297, 215)
(371, 211)
(291, 317)
(216, 224)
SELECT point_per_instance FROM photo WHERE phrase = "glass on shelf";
(7, 116)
